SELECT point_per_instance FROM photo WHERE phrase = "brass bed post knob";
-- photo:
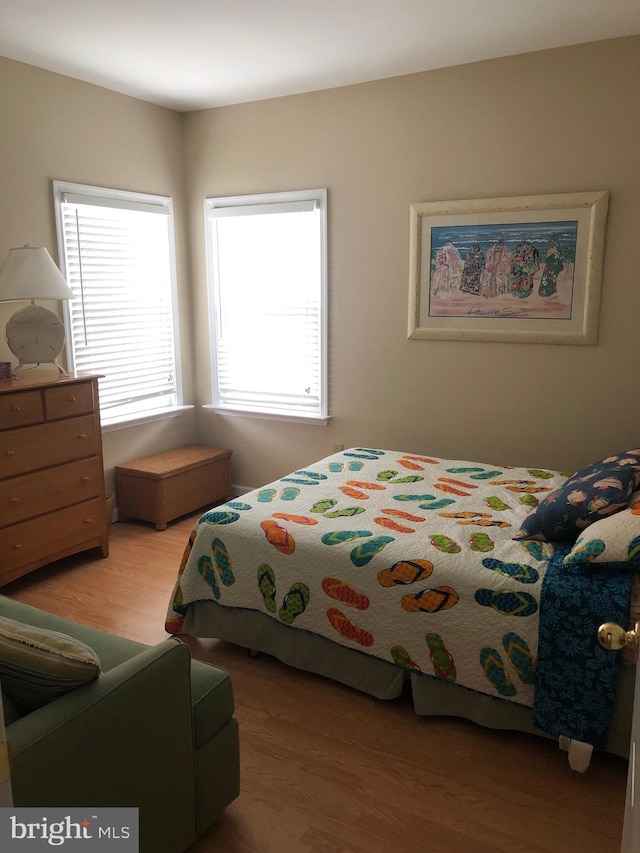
(613, 637)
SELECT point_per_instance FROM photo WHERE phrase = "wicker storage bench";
(167, 485)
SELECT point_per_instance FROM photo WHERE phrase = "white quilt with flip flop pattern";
(401, 556)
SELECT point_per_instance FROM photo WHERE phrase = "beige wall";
(557, 121)
(54, 127)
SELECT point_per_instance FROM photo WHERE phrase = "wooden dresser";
(52, 498)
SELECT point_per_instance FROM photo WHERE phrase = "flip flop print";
(337, 537)
(465, 514)
(350, 492)
(374, 487)
(402, 658)
(518, 571)
(393, 525)
(541, 551)
(295, 519)
(441, 659)
(529, 500)
(445, 544)
(412, 466)
(205, 567)
(294, 603)
(187, 551)
(267, 586)
(346, 512)
(240, 505)
(526, 486)
(366, 551)
(542, 475)
(391, 476)
(495, 671)
(323, 505)
(481, 542)
(520, 656)
(405, 572)
(416, 498)
(446, 487)
(266, 495)
(222, 561)
(290, 493)
(437, 504)
(431, 600)
(277, 536)
(400, 513)
(459, 483)
(364, 453)
(349, 629)
(506, 602)
(355, 466)
(345, 593)
(335, 467)
(496, 504)
(218, 517)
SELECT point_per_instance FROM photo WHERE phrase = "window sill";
(124, 421)
(314, 420)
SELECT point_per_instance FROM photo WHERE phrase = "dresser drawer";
(68, 400)
(19, 409)
(31, 541)
(46, 445)
(43, 491)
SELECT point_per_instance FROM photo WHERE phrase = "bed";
(479, 584)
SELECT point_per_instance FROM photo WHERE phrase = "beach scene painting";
(524, 269)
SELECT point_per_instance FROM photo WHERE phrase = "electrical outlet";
(338, 447)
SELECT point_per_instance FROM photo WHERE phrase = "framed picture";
(525, 269)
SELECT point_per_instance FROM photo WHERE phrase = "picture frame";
(524, 269)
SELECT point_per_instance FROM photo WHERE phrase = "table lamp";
(34, 334)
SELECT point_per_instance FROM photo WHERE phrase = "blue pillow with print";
(594, 492)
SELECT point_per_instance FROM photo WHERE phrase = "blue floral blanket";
(576, 678)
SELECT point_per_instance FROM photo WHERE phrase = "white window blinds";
(267, 280)
(117, 256)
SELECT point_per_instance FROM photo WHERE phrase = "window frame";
(277, 200)
(124, 199)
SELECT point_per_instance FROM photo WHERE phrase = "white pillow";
(614, 539)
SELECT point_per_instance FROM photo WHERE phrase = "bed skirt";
(431, 696)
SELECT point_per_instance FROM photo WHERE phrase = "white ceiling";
(193, 54)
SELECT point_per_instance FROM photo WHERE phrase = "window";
(116, 253)
(268, 292)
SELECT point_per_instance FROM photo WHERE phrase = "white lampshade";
(30, 273)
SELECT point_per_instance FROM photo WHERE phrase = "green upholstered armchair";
(155, 731)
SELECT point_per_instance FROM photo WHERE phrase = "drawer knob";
(85, 479)
(82, 435)
(16, 409)
(72, 399)
(13, 500)
(10, 453)
(18, 547)
(88, 521)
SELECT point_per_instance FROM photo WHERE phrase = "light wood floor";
(325, 768)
